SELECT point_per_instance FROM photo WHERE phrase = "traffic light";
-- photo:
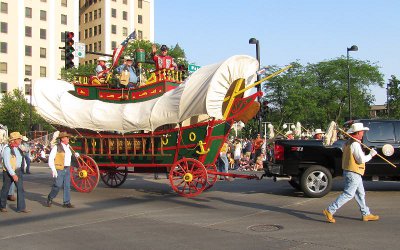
(69, 49)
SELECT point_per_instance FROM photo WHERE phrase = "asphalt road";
(243, 214)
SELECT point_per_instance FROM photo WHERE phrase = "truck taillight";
(279, 152)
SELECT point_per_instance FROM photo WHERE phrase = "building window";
(125, 1)
(3, 47)
(42, 52)
(90, 32)
(124, 31)
(113, 29)
(95, 47)
(90, 47)
(28, 50)
(90, 16)
(140, 19)
(113, 12)
(3, 67)
(28, 31)
(28, 70)
(140, 4)
(99, 29)
(124, 15)
(63, 19)
(86, 17)
(3, 87)
(99, 13)
(42, 71)
(140, 35)
(95, 14)
(27, 88)
(99, 45)
(43, 15)
(42, 34)
(62, 56)
(4, 7)
(86, 33)
(95, 31)
(28, 12)
(113, 44)
(64, 3)
(62, 37)
(4, 27)
(43, 1)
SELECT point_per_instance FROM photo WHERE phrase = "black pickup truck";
(309, 166)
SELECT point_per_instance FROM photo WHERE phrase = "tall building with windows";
(104, 24)
(31, 32)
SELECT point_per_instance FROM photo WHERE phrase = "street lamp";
(30, 101)
(256, 42)
(352, 48)
(388, 98)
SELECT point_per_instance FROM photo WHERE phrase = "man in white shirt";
(353, 165)
(60, 162)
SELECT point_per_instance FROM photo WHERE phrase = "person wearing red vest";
(163, 61)
(353, 165)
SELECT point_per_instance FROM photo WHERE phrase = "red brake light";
(279, 152)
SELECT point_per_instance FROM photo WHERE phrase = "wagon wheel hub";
(188, 177)
(83, 174)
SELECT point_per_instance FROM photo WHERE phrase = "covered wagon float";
(179, 131)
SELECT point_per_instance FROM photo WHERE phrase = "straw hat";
(355, 127)
(14, 136)
(319, 131)
(63, 134)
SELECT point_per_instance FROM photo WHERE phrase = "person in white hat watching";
(289, 135)
(353, 164)
(26, 149)
(12, 173)
(318, 134)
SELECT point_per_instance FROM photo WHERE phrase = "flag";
(118, 51)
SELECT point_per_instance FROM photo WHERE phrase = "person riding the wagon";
(101, 68)
(163, 61)
(128, 76)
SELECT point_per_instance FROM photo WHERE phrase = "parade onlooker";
(353, 164)
(318, 134)
(257, 146)
(289, 135)
(60, 159)
(237, 153)
(12, 173)
(26, 150)
(223, 161)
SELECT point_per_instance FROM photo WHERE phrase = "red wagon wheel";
(211, 175)
(114, 177)
(85, 177)
(188, 177)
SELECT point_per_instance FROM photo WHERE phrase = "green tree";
(15, 112)
(316, 94)
(394, 97)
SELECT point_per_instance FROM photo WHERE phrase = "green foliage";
(315, 94)
(69, 75)
(15, 111)
(394, 97)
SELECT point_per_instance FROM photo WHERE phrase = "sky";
(309, 31)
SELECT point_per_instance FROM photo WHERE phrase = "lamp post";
(352, 48)
(30, 101)
(256, 42)
(388, 98)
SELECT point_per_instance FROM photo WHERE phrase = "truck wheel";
(316, 181)
(295, 183)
